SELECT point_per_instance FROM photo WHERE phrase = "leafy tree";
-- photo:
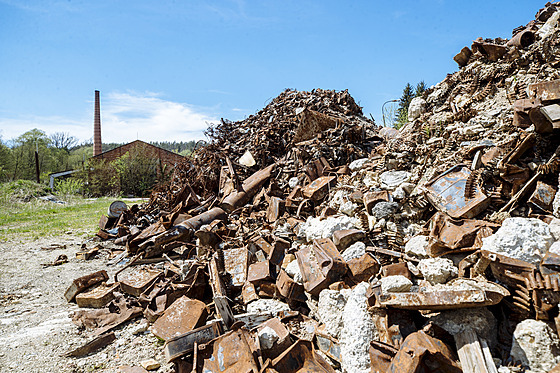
(63, 140)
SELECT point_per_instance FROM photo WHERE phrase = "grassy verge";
(23, 216)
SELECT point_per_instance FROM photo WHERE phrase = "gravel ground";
(35, 324)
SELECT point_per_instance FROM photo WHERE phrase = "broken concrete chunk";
(437, 270)
(357, 332)
(292, 269)
(97, 296)
(416, 108)
(330, 308)
(272, 306)
(354, 251)
(383, 210)
(358, 164)
(392, 179)
(416, 246)
(395, 284)
(267, 338)
(84, 282)
(525, 239)
(535, 345)
(316, 228)
(150, 364)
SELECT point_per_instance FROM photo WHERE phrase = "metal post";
(37, 162)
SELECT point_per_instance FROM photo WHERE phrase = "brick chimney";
(96, 127)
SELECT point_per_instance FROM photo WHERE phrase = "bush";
(68, 186)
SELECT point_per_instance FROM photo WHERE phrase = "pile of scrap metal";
(305, 238)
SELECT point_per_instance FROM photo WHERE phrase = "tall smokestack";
(96, 127)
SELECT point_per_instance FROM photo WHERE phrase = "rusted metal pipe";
(249, 188)
(522, 39)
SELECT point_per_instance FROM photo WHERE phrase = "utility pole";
(37, 162)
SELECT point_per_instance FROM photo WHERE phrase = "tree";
(63, 140)
(404, 102)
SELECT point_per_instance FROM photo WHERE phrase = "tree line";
(57, 152)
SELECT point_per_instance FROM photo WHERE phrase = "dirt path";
(35, 327)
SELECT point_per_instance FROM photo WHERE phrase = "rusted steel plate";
(84, 282)
(346, 237)
(249, 293)
(396, 269)
(182, 316)
(363, 268)
(420, 352)
(319, 188)
(543, 196)
(301, 358)
(183, 344)
(440, 299)
(446, 192)
(275, 209)
(232, 353)
(328, 345)
(137, 281)
(236, 263)
(312, 123)
(259, 272)
(545, 91)
(288, 288)
(93, 345)
(371, 198)
(97, 297)
(320, 265)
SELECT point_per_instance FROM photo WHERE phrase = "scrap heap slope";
(306, 238)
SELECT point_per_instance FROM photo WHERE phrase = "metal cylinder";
(522, 39)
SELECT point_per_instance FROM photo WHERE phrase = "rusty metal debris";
(307, 200)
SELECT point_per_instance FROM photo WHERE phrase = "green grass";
(23, 216)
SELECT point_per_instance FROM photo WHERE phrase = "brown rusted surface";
(396, 269)
(312, 123)
(259, 272)
(441, 299)
(275, 209)
(522, 39)
(236, 263)
(319, 188)
(492, 51)
(422, 353)
(301, 358)
(231, 353)
(543, 196)
(283, 334)
(328, 345)
(97, 296)
(462, 58)
(545, 91)
(249, 292)
(363, 268)
(381, 354)
(447, 234)
(371, 199)
(138, 280)
(346, 237)
(249, 188)
(288, 288)
(320, 265)
(182, 345)
(84, 282)
(180, 317)
(92, 346)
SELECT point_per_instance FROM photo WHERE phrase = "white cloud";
(125, 117)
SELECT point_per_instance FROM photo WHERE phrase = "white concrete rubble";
(479, 319)
(358, 164)
(353, 251)
(357, 332)
(535, 345)
(316, 228)
(556, 204)
(554, 227)
(267, 305)
(330, 308)
(526, 239)
(416, 108)
(416, 246)
(395, 284)
(437, 270)
(392, 179)
(292, 269)
(267, 337)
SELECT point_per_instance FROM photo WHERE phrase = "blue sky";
(167, 68)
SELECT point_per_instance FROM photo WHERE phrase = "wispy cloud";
(124, 117)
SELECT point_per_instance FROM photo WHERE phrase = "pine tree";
(404, 101)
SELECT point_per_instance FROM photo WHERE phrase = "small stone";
(395, 284)
(353, 251)
(292, 269)
(437, 270)
(150, 364)
(416, 246)
(267, 337)
(358, 164)
(416, 108)
(392, 179)
(293, 182)
(267, 305)
(141, 327)
(535, 345)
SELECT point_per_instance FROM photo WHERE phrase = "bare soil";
(35, 324)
